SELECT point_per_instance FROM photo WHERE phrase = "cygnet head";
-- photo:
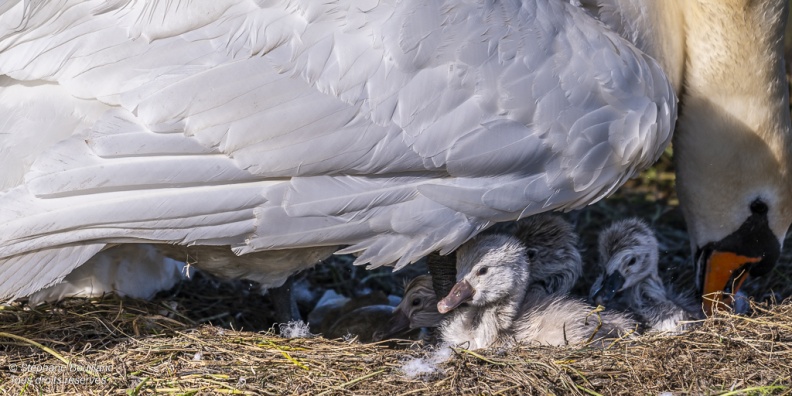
(628, 256)
(490, 268)
(418, 308)
(551, 248)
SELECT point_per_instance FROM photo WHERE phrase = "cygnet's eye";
(632, 261)
(416, 302)
(531, 253)
(482, 271)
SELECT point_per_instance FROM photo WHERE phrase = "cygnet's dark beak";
(398, 323)
(461, 292)
(610, 286)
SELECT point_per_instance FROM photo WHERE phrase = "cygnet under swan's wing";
(397, 128)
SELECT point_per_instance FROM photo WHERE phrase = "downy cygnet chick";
(630, 280)
(555, 265)
(553, 257)
(417, 309)
(490, 305)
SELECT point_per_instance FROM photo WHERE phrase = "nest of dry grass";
(117, 346)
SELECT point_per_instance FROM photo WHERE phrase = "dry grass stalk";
(121, 346)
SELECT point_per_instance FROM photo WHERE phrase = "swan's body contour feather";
(395, 128)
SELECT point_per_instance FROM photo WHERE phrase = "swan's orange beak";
(724, 274)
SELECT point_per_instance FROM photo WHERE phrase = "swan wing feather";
(396, 128)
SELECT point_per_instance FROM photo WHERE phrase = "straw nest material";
(120, 346)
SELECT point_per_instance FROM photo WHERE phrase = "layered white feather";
(395, 127)
(137, 271)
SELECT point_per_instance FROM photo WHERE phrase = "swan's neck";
(734, 60)
(733, 131)
(728, 51)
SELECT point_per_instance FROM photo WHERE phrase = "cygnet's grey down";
(364, 323)
(553, 257)
(630, 280)
(490, 307)
(551, 247)
(417, 309)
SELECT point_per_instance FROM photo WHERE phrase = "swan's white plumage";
(137, 271)
(657, 28)
(398, 128)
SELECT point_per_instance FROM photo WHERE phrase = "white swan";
(491, 303)
(398, 128)
(630, 280)
(732, 144)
